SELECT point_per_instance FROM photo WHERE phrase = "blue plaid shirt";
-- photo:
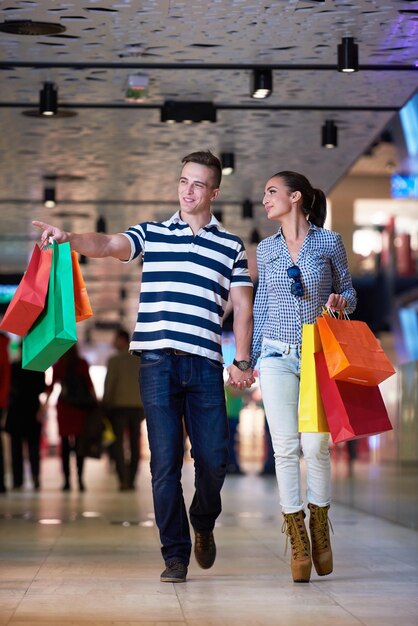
(278, 314)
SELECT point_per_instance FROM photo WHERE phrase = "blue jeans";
(279, 383)
(190, 387)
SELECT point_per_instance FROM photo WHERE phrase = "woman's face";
(277, 199)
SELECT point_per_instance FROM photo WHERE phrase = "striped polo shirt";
(185, 285)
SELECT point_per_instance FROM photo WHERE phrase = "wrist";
(242, 364)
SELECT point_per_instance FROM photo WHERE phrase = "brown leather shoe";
(204, 548)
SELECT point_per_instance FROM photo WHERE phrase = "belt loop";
(287, 349)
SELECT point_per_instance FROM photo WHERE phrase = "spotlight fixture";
(262, 83)
(347, 55)
(329, 134)
(49, 197)
(247, 209)
(188, 112)
(48, 100)
(228, 163)
(101, 226)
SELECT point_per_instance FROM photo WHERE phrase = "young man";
(191, 266)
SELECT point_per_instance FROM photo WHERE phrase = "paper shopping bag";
(352, 352)
(311, 416)
(29, 298)
(352, 410)
(54, 332)
(82, 304)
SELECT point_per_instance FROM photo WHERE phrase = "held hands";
(336, 302)
(51, 232)
(240, 379)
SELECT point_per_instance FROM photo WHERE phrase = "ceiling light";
(28, 27)
(188, 112)
(228, 163)
(48, 99)
(247, 209)
(137, 89)
(262, 83)
(347, 55)
(329, 134)
(49, 197)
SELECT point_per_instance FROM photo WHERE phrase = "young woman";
(301, 269)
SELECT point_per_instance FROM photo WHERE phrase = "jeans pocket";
(270, 352)
(217, 365)
(149, 358)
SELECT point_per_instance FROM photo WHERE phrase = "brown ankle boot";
(301, 563)
(321, 544)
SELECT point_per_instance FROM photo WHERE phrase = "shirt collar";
(176, 219)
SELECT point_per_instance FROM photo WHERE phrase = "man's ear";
(215, 193)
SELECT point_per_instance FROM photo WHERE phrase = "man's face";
(196, 189)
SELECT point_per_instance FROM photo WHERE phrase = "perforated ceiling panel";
(124, 163)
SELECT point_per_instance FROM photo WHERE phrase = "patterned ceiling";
(123, 163)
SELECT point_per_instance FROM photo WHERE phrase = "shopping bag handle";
(339, 315)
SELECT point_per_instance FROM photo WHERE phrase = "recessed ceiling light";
(28, 27)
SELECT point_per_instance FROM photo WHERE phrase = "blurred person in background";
(73, 405)
(4, 398)
(123, 406)
(24, 421)
(234, 404)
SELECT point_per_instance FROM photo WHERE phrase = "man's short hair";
(205, 157)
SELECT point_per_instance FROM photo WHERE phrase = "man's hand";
(50, 231)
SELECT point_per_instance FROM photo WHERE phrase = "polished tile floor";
(93, 558)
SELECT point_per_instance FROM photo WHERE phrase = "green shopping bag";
(54, 332)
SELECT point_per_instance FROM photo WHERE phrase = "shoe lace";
(319, 530)
(204, 541)
(292, 530)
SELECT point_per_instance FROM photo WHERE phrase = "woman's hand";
(336, 302)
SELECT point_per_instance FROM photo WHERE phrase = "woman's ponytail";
(317, 212)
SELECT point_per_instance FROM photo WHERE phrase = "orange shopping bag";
(29, 299)
(352, 352)
(83, 308)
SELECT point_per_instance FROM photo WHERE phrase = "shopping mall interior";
(100, 100)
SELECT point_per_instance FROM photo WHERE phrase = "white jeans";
(279, 382)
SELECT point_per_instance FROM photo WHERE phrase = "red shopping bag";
(29, 298)
(352, 410)
(82, 304)
(352, 352)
